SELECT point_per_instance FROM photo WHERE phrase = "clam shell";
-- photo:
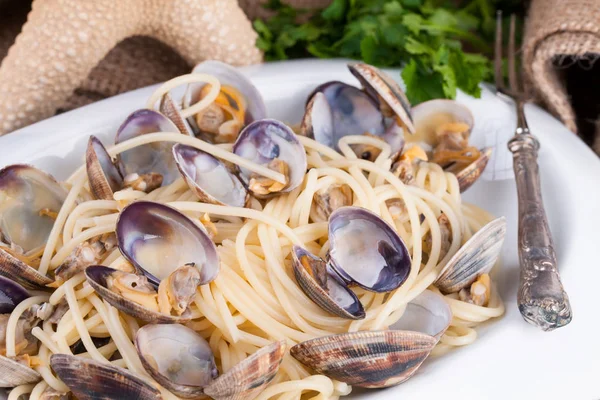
(366, 251)
(176, 357)
(371, 359)
(104, 177)
(250, 377)
(157, 239)
(427, 313)
(230, 76)
(15, 269)
(209, 178)
(169, 109)
(14, 374)
(336, 110)
(323, 288)
(24, 192)
(428, 115)
(380, 85)
(267, 139)
(476, 257)
(152, 157)
(96, 276)
(467, 177)
(91, 380)
(11, 294)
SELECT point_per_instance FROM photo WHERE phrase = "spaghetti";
(255, 299)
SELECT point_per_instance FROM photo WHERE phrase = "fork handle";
(541, 297)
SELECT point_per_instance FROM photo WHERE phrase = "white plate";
(510, 358)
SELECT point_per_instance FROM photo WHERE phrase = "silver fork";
(541, 297)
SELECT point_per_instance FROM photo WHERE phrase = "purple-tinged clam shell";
(11, 294)
(208, 177)
(427, 313)
(158, 239)
(15, 373)
(29, 197)
(475, 258)
(382, 87)
(98, 277)
(171, 110)
(152, 157)
(91, 379)
(228, 76)
(104, 177)
(177, 357)
(373, 359)
(352, 112)
(324, 288)
(248, 379)
(266, 140)
(366, 251)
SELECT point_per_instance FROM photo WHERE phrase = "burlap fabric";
(555, 29)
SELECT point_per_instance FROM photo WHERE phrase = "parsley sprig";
(438, 44)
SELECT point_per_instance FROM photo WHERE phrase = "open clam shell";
(11, 266)
(382, 87)
(148, 158)
(250, 377)
(268, 140)
(371, 359)
(11, 294)
(323, 288)
(104, 177)
(366, 251)
(97, 276)
(157, 239)
(467, 177)
(336, 110)
(209, 178)
(13, 373)
(476, 257)
(177, 357)
(430, 115)
(169, 109)
(427, 313)
(228, 76)
(29, 197)
(92, 380)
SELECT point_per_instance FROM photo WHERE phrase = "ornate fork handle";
(541, 297)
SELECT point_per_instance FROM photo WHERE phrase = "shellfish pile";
(150, 264)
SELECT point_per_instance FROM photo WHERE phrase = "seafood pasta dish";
(211, 252)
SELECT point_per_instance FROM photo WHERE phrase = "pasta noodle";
(255, 299)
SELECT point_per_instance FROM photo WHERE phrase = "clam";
(131, 293)
(103, 175)
(444, 126)
(29, 203)
(209, 178)
(11, 294)
(366, 251)
(238, 103)
(330, 198)
(273, 144)
(157, 239)
(475, 258)
(427, 313)
(392, 100)
(366, 359)
(14, 373)
(169, 109)
(323, 287)
(336, 110)
(176, 357)
(250, 377)
(90, 379)
(146, 161)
